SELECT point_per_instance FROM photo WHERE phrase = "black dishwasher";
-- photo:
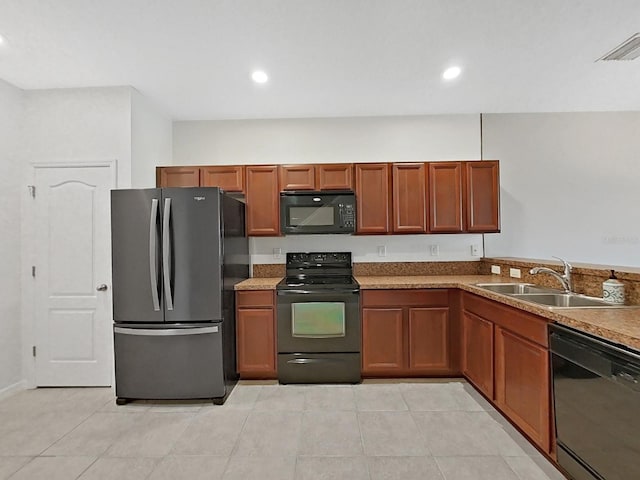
(596, 393)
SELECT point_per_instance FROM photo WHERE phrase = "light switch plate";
(514, 272)
(382, 250)
(495, 269)
(435, 250)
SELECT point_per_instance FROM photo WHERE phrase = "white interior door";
(72, 303)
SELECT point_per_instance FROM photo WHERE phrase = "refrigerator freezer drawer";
(171, 363)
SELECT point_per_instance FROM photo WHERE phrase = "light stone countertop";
(621, 325)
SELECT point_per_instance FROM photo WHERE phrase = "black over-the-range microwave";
(310, 212)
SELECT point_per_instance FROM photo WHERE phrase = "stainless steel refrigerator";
(176, 255)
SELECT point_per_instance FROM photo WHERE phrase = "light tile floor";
(373, 431)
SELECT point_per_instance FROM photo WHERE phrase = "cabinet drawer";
(254, 298)
(527, 325)
(422, 298)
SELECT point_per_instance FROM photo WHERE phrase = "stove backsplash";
(372, 248)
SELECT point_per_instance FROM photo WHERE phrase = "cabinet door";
(382, 340)
(445, 197)
(297, 177)
(177, 176)
(477, 352)
(482, 196)
(429, 339)
(372, 198)
(230, 178)
(522, 385)
(409, 198)
(256, 343)
(263, 201)
(334, 176)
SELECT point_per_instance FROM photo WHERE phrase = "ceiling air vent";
(627, 50)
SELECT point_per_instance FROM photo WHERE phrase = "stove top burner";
(318, 271)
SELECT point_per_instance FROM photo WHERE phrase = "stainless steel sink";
(515, 288)
(564, 300)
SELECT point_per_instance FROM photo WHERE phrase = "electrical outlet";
(514, 273)
(382, 250)
(435, 250)
(495, 269)
(277, 253)
(475, 250)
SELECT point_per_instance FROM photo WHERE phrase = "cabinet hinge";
(32, 190)
(33, 350)
(33, 271)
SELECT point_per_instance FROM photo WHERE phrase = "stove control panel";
(319, 258)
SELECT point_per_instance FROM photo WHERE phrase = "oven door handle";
(354, 291)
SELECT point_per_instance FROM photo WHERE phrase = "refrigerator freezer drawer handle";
(166, 253)
(170, 332)
(153, 255)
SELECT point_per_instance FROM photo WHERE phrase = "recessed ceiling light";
(1, 39)
(451, 73)
(259, 76)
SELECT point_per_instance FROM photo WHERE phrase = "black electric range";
(318, 305)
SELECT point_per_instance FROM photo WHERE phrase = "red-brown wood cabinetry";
(256, 334)
(263, 200)
(409, 198)
(373, 198)
(406, 333)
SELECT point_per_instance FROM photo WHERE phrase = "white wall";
(569, 185)
(83, 124)
(11, 106)
(333, 140)
(151, 132)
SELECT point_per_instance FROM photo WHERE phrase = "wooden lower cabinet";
(256, 334)
(506, 356)
(477, 352)
(406, 333)
(522, 384)
(382, 340)
(429, 339)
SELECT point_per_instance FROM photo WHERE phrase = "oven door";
(318, 321)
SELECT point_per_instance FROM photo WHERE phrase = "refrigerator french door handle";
(166, 253)
(153, 254)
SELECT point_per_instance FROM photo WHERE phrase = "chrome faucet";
(565, 278)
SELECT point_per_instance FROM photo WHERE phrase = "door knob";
(102, 287)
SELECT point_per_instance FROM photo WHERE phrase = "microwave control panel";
(347, 216)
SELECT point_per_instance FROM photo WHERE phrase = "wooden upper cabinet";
(409, 198)
(334, 176)
(482, 196)
(445, 197)
(263, 201)
(177, 177)
(297, 177)
(230, 177)
(522, 385)
(373, 198)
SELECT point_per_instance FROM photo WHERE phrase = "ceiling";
(328, 58)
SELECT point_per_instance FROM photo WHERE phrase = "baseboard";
(12, 389)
